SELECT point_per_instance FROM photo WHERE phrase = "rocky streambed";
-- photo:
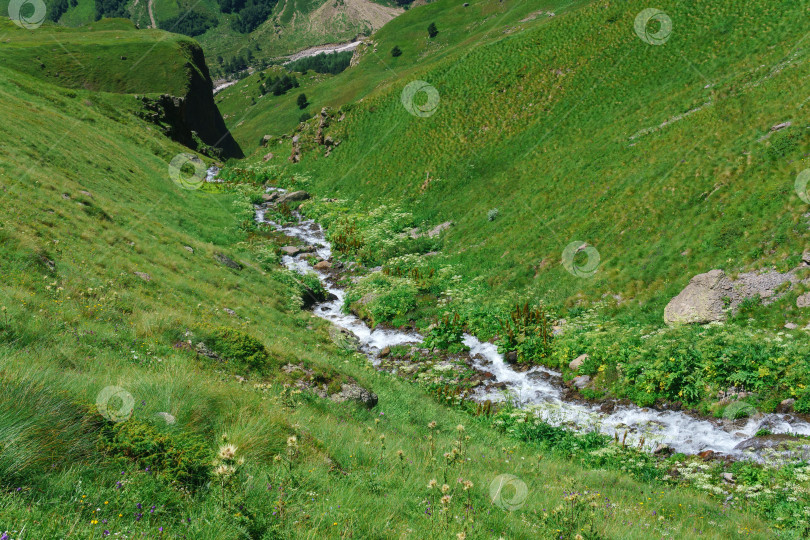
(538, 390)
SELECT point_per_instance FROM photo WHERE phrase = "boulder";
(224, 260)
(581, 382)
(189, 249)
(791, 326)
(292, 251)
(143, 275)
(577, 362)
(229, 311)
(710, 296)
(355, 392)
(701, 301)
(803, 301)
(785, 406)
(806, 257)
(323, 265)
(293, 196)
(268, 156)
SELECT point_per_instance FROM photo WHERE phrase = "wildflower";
(445, 488)
(227, 452)
(461, 536)
(459, 428)
(467, 485)
(432, 484)
(277, 458)
(432, 425)
(401, 454)
(292, 441)
(446, 499)
(224, 470)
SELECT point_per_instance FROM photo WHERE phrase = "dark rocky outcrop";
(193, 120)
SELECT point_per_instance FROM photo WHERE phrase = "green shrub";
(446, 334)
(241, 349)
(177, 457)
(527, 332)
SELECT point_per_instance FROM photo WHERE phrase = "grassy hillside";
(460, 30)
(112, 273)
(572, 130)
(108, 55)
(290, 26)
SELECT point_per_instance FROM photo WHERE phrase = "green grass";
(540, 124)
(87, 203)
(109, 55)
(460, 30)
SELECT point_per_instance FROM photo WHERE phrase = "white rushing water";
(538, 389)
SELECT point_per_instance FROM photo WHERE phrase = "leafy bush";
(241, 349)
(178, 457)
(446, 334)
(527, 332)
(396, 51)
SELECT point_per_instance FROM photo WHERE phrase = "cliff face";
(198, 110)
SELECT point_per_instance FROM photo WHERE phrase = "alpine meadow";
(407, 269)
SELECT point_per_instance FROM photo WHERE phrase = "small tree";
(302, 101)
(396, 51)
(432, 30)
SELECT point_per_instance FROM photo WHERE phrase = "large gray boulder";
(711, 296)
(701, 301)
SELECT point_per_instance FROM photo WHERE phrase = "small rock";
(143, 275)
(607, 407)
(385, 352)
(189, 249)
(806, 256)
(239, 379)
(783, 125)
(785, 406)
(662, 449)
(268, 156)
(230, 312)
(706, 455)
(323, 265)
(355, 392)
(511, 357)
(65, 196)
(791, 326)
(223, 259)
(292, 251)
(437, 230)
(86, 193)
(728, 478)
(581, 382)
(577, 362)
(270, 197)
(803, 301)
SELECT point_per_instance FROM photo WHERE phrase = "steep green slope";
(111, 275)
(113, 56)
(460, 30)
(667, 160)
(287, 27)
(605, 139)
